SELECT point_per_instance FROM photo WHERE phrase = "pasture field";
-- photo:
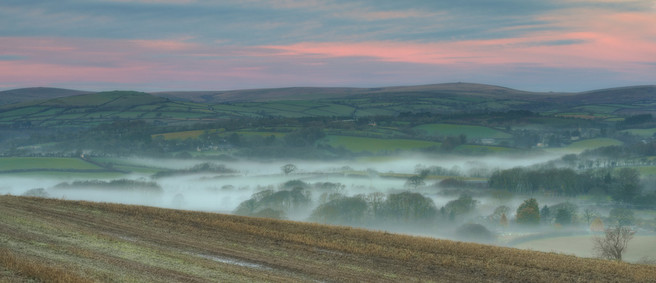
(75, 241)
(68, 176)
(45, 163)
(19, 112)
(646, 170)
(259, 133)
(374, 145)
(481, 149)
(183, 135)
(583, 115)
(472, 132)
(607, 109)
(374, 112)
(593, 143)
(640, 248)
(641, 132)
(197, 133)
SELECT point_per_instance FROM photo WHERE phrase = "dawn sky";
(155, 45)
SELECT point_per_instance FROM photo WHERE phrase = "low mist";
(371, 193)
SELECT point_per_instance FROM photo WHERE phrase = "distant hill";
(36, 93)
(84, 110)
(261, 95)
(99, 100)
(313, 93)
(105, 100)
(76, 108)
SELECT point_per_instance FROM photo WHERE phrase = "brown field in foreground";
(72, 241)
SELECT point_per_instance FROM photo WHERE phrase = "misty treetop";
(623, 184)
(528, 213)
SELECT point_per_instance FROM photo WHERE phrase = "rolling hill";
(184, 107)
(75, 241)
(313, 93)
(35, 93)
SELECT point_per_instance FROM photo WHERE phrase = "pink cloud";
(620, 42)
(164, 45)
(609, 41)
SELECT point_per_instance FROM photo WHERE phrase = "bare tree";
(614, 242)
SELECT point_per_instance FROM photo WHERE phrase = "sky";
(165, 45)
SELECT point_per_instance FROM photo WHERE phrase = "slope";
(48, 239)
(35, 93)
(316, 93)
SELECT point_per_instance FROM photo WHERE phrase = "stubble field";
(71, 241)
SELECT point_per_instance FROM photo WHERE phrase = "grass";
(480, 149)
(186, 134)
(67, 175)
(641, 132)
(472, 132)
(593, 143)
(375, 145)
(45, 163)
(48, 239)
(646, 170)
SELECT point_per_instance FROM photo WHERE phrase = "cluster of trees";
(404, 208)
(566, 213)
(120, 184)
(206, 167)
(275, 204)
(623, 184)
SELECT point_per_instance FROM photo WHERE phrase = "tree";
(345, 210)
(408, 207)
(504, 220)
(627, 188)
(564, 213)
(462, 205)
(475, 232)
(415, 181)
(563, 217)
(545, 214)
(614, 242)
(528, 212)
(288, 168)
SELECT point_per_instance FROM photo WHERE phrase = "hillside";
(48, 239)
(84, 109)
(314, 93)
(35, 93)
(175, 108)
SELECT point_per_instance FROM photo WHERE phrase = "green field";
(46, 163)
(593, 143)
(374, 145)
(67, 175)
(641, 132)
(472, 132)
(186, 134)
(646, 170)
(480, 149)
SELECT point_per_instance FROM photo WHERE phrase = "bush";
(39, 192)
(475, 232)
